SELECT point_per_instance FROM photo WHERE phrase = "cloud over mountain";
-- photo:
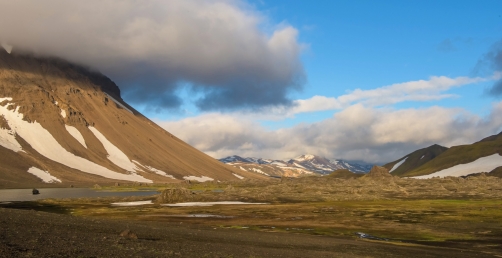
(225, 50)
(357, 132)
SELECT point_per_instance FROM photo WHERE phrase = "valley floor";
(30, 233)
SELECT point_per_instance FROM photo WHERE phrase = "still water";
(12, 195)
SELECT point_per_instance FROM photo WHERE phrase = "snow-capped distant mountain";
(305, 163)
(323, 165)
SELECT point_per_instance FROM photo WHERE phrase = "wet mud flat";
(30, 233)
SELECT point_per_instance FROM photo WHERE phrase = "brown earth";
(25, 233)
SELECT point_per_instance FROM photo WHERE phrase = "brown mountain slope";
(414, 160)
(45, 104)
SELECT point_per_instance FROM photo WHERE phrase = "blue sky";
(370, 44)
(365, 45)
(356, 80)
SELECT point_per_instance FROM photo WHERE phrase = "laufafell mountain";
(62, 124)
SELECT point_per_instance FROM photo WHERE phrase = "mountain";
(414, 160)
(323, 165)
(62, 124)
(301, 165)
(463, 160)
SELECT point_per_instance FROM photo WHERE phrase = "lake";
(16, 195)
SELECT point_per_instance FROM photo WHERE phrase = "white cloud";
(358, 132)
(421, 90)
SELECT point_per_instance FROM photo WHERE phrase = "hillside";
(482, 156)
(62, 124)
(414, 160)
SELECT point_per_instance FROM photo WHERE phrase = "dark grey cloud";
(153, 48)
(496, 89)
(491, 62)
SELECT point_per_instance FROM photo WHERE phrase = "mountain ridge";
(307, 163)
(461, 160)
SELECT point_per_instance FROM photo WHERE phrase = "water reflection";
(11, 195)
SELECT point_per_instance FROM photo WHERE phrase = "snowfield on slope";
(76, 134)
(398, 164)
(44, 143)
(238, 176)
(44, 175)
(484, 164)
(198, 178)
(8, 140)
(156, 171)
(115, 155)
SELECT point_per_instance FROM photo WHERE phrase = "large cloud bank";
(358, 132)
(227, 52)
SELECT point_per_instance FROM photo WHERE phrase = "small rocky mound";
(175, 195)
(128, 234)
(378, 172)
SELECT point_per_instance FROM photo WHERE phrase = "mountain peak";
(305, 157)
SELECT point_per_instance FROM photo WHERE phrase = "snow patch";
(76, 134)
(63, 113)
(259, 171)
(115, 155)
(238, 176)
(279, 164)
(44, 175)
(190, 204)
(422, 157)
(55, 103)
(298, 165)
(398, 164)
(138, 203)
(198, 179)
(304, 157)
(484, 164)
(7, 47)
(8, 140)
(156, 171)
(44, 143)
(242, 168)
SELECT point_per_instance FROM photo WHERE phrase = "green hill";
(415, 159)
(460, 155)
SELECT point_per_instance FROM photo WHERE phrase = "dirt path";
(39, 234)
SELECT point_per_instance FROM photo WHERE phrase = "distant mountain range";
(304, 164)
(462, 160)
